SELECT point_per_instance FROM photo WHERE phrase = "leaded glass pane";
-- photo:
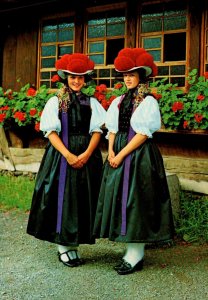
(115, 29)
(65, 25)
(151, 25)
(95, 32)
(162, 71)
(156, 54)
(97, 22)
(152, 42)
(118, 79)
(47, 83)
(49, 27)
(96, 47)
(65, 50)
(48, 50)
(115, 73)
(116, 20)
(48, 62)
(45, 75)
(104, 81)
(180, 81)
(65, 36)
(48, 37)
(151, 15)
(104, 72)
(177, 70)
(175, 23)
(97, 58)
(174, 12)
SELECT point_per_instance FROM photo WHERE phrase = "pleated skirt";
(148, 210)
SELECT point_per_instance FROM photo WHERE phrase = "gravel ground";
(30, 269)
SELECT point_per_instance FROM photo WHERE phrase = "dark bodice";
(125, 112)
(79, 115)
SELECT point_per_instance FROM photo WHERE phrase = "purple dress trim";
(63, 167)
(125, 189)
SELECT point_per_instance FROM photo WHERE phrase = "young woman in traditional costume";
(67, 185)
(134, 205)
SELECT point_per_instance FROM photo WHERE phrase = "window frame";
(58, 44)
(141, 36)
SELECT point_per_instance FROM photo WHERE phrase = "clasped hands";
(79, 161)
(114, 160)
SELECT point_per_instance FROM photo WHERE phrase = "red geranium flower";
(33, 112)
(177, 106)
(101, 97)
(185, 124)
(206, 75)
(55, 78)
(102, 88)
(198, 118)
(157, 96)
(37, 126)
(112, 98)
(105, 104)
(2, 117)
(6, 107)
(21, 116)
(31, 92)
(117, 86)
(200, 97)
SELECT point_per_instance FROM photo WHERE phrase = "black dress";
(148, 208)
(81, 187)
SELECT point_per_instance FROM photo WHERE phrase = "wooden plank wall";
(20, 55)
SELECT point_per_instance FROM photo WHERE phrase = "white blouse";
(146, 118)
(50, 117)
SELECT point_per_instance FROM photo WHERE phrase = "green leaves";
(192, 113)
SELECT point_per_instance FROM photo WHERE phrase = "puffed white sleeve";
(111, 122)
(49, 120)
(146, 119)
(98, 116)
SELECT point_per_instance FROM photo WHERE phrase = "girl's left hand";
(116, 161)
(83, 157)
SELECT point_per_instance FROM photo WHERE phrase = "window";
(57, 39)
(105, 36)
(205, 41)
(163, 34)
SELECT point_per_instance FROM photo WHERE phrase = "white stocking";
(134, 253)
(71, 252)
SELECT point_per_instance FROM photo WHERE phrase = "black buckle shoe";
(71, 262)
(79, 260)
(126, 268)
(118, 266)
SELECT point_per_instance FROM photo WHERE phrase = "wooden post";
(6, 162)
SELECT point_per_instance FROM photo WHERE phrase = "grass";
(16, 192)
(193, 222)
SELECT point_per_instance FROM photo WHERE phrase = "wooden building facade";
(34, 34)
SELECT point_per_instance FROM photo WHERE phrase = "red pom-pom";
(144, 59)
(123, 63)
(76, 63)
(154, 70)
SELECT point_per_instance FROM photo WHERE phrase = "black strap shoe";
(70, 263)
(118, 266)
(79, 260)
(126, 268)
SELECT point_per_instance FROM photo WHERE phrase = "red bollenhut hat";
(75, 64)
(130, 59)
